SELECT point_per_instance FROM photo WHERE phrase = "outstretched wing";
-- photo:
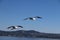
(8, 27)
(26, 18)
(38, 17)
(20, 26)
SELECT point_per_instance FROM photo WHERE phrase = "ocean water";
(22, 38)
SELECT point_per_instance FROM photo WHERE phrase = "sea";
(23, 38)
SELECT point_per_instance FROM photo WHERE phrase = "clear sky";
(12, 12)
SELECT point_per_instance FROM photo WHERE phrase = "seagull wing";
(8, 27)
(26, 18)
(38, 17)
(20, 26)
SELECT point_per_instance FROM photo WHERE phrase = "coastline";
(29, 34)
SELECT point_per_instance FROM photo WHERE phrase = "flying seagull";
(32, 18)
(14, 27)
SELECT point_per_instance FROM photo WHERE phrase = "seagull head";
(34, 18)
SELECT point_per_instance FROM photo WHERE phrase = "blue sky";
(12, 12)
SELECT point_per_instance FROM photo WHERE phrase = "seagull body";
(14, 27)
(32, 18)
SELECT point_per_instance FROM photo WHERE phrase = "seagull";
(32, 18)
(14, 27)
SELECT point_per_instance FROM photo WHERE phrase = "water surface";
(23, 38)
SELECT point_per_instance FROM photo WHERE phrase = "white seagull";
(14, 27)
(32, 18)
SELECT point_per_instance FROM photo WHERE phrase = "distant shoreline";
(29, 34)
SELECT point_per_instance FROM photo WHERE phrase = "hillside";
(29, 33)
